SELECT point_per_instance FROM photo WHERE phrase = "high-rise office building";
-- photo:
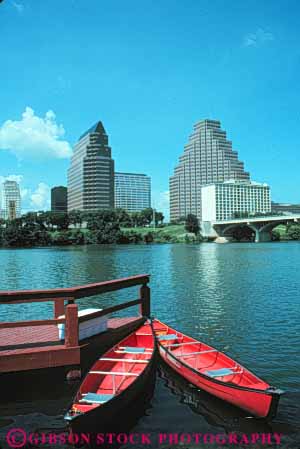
(208, 157)
(225, 200)
(91, 174)
(59, 199)
(11, 200)
(132, 191)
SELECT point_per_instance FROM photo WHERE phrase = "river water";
(242, 298)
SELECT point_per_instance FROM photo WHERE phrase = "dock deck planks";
(27, 348)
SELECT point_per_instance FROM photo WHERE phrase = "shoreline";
(72, 245)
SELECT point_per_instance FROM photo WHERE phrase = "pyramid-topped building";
(208, 157)
(91, 173)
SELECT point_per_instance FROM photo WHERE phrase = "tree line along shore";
(110, 227)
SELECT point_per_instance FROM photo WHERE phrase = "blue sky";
(148, 70)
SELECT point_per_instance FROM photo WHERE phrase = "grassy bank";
(166, 234)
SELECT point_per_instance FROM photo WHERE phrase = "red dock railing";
(70, 312)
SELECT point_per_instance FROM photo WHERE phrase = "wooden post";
(145, 297)
(59, 307)
(71, 326)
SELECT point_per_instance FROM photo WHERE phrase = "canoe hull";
(260, 402)
(256, 403)
(99, 418)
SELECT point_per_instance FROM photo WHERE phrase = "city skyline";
(149, 91)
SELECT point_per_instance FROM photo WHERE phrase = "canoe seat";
(133, 350)
(196, 352)
(220, 372)
(114, 373)
(167, 337)
(113, 359)
(95, 398)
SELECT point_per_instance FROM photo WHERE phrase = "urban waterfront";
(241, 298)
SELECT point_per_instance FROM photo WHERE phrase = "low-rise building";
(230, 199)
(284, 208)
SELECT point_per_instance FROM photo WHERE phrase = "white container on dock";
(89, 327)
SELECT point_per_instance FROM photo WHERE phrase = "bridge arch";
(261, 226)
(268, 227)
(228, 230)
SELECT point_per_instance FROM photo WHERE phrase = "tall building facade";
(225, 200)
(208, 157)
(132, 191)
(59, 199)
(91, 174)
(11, 200)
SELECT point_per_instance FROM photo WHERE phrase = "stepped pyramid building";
(208, 158)
(91, 174)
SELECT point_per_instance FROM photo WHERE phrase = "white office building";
(132, 191)
(11, 200)
(225, 200)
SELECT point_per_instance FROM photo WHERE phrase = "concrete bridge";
(261, 226)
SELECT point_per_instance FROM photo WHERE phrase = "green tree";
(25, 233)
(275, 235)
(192, 224)
(135, 219)
(105, 226)
(46, 219)
(123, 218)
(61, 220)
(2, 222)
(293, 232)
(60, 238)
(75, 218)
(159, 218)
(130, 237)
(146, 216)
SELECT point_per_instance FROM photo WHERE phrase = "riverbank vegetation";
(101, 227)
(111, 226)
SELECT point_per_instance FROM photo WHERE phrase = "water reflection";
(241, 298)
(216, 412)
(33, 419)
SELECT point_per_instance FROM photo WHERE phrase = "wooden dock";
(34, 346)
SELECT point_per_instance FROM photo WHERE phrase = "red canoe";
(115, 379)
(213, 371)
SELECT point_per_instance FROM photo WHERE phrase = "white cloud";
(17, 178)
(40, 198)
(31, 199)
(258, 38)
(18, 6)
(24, 193)
(34, 137)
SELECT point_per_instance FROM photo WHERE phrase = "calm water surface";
(242, 298)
